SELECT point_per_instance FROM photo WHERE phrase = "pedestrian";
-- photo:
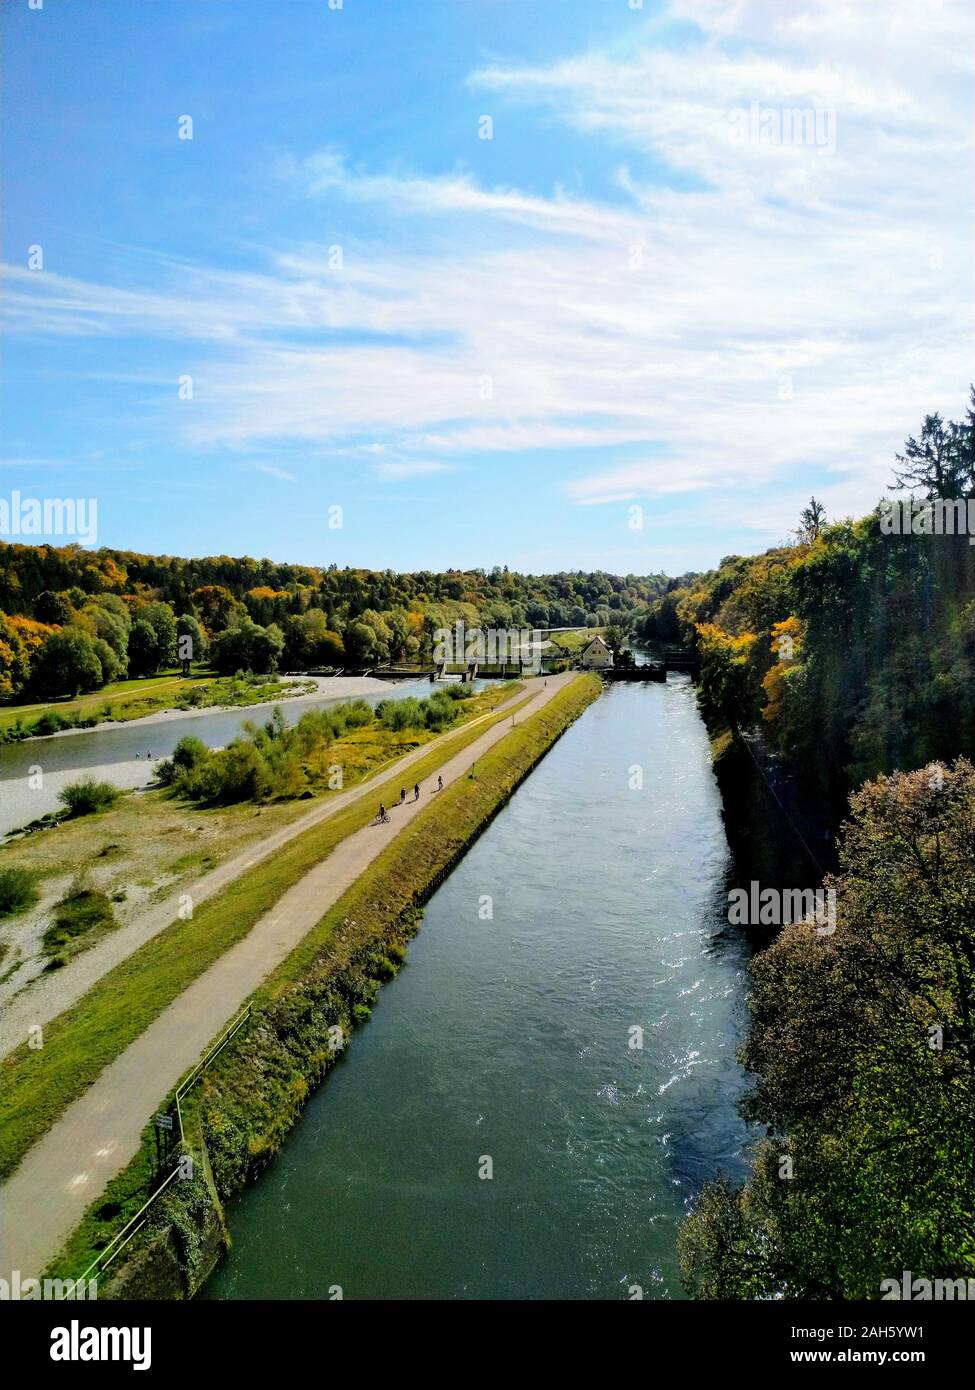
(416, 792)
(439, 784)
(402, 795)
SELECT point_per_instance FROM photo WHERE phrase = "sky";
(557, 284)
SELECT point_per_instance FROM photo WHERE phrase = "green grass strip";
(36, 1086)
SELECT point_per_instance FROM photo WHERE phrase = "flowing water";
(510, 1039)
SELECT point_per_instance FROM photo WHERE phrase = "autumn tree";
(863, 1045)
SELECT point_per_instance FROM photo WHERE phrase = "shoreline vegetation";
(254, 1092)
(138, 849)
(129, 701)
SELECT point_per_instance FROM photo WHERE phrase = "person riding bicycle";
(382, 812)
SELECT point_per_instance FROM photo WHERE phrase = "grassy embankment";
(254, 1092)
(133, 699)
(571, 643)
(130, 855)
(36, 1086)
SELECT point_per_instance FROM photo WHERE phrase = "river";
(117, 753)
(509, 1037)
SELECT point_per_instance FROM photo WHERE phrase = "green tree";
(108, 619)
(247, 647)
(933, 463)
(361, 644)
(863, 1045)
(67, 664)
(53, 608)
(191, 642)
(143, 648)
(162, 620)
(812, 519)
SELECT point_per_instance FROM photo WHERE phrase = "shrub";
(18, 891)
(86, 796)
(80, 911)
(235, 773)
(189, 754)
(48, 723)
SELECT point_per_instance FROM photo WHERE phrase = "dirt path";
(49, 994)
(45, 1198)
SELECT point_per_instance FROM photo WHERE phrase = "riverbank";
(152, 853)
(158, 845)
(293, 689)
(255, 1091)
(778, 838)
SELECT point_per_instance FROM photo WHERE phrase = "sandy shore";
(328, 688)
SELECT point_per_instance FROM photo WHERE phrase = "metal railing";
(136, 1223)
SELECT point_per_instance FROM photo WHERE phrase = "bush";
(48, 723)
(18, 891)
(398, 715)
(189, 754)
(235, 773)
(80, 911)
(86, 796)
(436, 713)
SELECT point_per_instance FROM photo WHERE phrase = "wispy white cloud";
(410, 468)
(761, 309)
(273, 471)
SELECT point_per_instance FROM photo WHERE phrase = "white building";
(596, 655)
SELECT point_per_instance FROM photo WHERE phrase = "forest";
(72, 620)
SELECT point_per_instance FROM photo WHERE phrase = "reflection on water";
(510, 1037)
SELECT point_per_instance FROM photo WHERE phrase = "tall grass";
(18, 891)
(86, 796)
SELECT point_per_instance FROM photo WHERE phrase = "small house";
(596, 656)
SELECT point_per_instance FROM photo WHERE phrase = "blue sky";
(635, 295)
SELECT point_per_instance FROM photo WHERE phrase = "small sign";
(164, 1121)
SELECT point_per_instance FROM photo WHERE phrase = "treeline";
(852, 653)
(852, 650)
(863, 1045)
(72, 620)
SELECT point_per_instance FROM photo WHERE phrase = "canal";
(512, 1038)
